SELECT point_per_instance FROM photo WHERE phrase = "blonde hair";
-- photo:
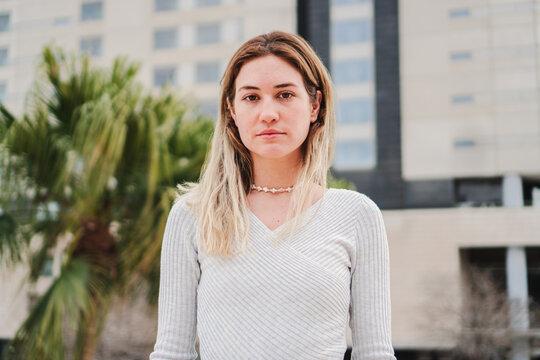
(219, 200)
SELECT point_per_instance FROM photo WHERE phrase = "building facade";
(183, 43)
(455, 158)
(438, 121)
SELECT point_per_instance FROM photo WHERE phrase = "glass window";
(202, 3)
(208, 33)
(165, 38)
(164, 75)
(207, 72)
(353, 154)
(4, 22)
(355, 111)
(47, 269)
(3, 56)
(53, 209)
(61, 21)
(346, 2)
(461, 55)
(464, 143)
(92, 11)
(459, 13)
(351, 31)
(92, 45)
(462, 99)
(3, 91)
(165, 5)
(351, 71)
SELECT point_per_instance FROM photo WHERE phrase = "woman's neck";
(275, 173)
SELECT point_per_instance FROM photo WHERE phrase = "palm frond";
(9, 244)
(41, 335)
(6, 119)
(109, 156)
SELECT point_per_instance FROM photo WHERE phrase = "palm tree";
(90, 168)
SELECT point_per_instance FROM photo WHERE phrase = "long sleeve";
(370, 287)
(177, 306)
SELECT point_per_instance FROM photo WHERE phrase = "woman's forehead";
(267, 71)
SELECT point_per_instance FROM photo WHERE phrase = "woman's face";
(272, 108)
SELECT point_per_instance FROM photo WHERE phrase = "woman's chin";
(275, 155)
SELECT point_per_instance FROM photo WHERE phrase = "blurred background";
(438, 121)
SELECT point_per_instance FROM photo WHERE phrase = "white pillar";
(512, 190)
(516, 274)
(518, 295)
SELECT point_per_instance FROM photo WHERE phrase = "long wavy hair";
(219, 200)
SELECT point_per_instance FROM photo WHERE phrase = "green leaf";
(108, 154)
(41, 335)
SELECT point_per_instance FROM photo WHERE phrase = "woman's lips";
(270, 134)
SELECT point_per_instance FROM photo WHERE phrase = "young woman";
(260, 259)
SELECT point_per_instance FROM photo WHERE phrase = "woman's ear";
(315, 107)
(231, 110)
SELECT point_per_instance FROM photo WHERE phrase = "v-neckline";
(307, 212)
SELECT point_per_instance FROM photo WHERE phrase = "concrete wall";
(470, 79)
(127, 28)
(425, 267)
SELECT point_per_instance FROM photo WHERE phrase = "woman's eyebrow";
(285, 85)
(248, 87)
(279, 86)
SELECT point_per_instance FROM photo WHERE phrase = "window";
(164, 75)
(165, 38)
(464, 143)
(207, 72)
(351, 71)
(351, 31)
(462, 99)
(478, 192)
(207, 33)
(461, 55)
(3, 91)
(48, 211)
(3, 56)
(4, 22)
(165, 5)
(202, 3)
(355, 111)
(459, 13)
(61, 21)
(91, 45)
(92, 11)
(346, 2)
(47, 269)
(354, 154)
(54, 209)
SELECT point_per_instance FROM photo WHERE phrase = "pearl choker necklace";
(272, 190)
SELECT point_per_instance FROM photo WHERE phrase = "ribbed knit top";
(290, 299)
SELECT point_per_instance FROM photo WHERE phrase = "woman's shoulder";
(353, 199)
(182, 212)
(355, 207)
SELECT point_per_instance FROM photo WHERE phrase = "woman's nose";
(269, 111)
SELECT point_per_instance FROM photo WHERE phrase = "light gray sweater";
(290, 300)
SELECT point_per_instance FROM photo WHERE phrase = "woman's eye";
(286, 95)
(250, 97)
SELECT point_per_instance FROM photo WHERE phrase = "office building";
(456, 156)
(438, 121)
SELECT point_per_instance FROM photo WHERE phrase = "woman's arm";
(370, 287)
(180, 272)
